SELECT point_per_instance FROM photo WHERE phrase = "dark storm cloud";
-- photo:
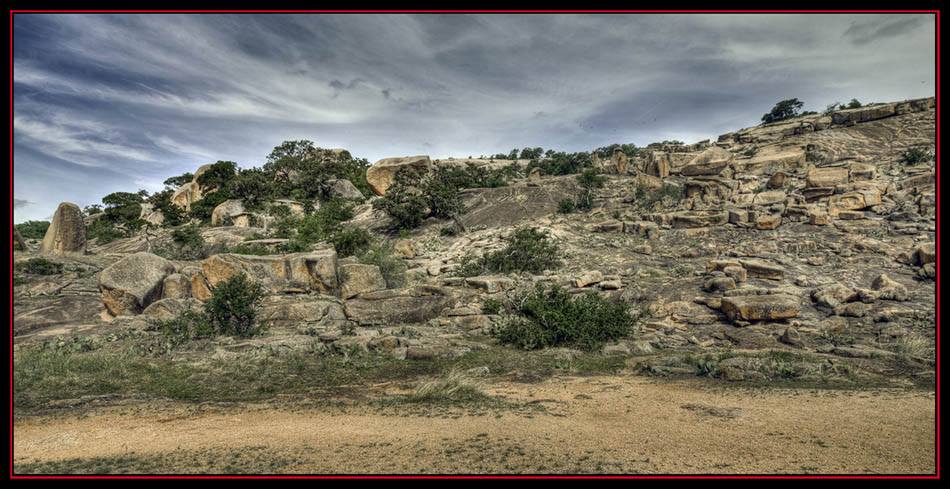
(104, 103)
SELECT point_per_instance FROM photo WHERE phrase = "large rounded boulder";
(381, 175)
(131, 284)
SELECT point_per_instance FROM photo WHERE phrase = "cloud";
(20, 203)
(883, 28)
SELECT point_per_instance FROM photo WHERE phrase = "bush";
(491, 306)
(667, 196)
(188, 244)
(528, 250)
(552, 317)
(392, 267)
(786, 109)
(561, 163)
(187, 326)
(33, 229)
(40, 266)
(412, 197)
(349, 242)
(914, 156)
(565, 206)
(251, 249)
(590, 181)
(232, 309)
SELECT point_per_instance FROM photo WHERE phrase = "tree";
(176, 182)
(785, 109)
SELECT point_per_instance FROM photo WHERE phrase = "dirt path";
(586, 425)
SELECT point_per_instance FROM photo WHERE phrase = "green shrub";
(392, 267)
(565, 206)
(188, 326)
(40, 266)
(188, 244)
(528, 250)
(33, 229)
(232, 308)
(914, 156)
(251, 249)
(349, 242)
(413, 197)
(491, 306)
(590, 181)
(561, 163)
(553, 317)
(667, 196)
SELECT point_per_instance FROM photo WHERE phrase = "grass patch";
(40, 266)
(454, 387)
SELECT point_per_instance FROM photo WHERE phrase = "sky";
(120, 102)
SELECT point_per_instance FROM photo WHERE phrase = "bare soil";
(562, 425)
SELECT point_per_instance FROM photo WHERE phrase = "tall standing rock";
(18, 240)
(67, 233)
(381, 175)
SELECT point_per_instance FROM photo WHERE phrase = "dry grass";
(456, 386)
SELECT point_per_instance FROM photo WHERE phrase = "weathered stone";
(863, 172)
(769, 197)
(657, 164)
(644, 228)
(390, 307)
(791, 337)
(768, 222)
(852, 309)
(225, 212)
(589, 278)
(921, 180)
(404, 248)
(826, 177)
(833, 295)
(381, 175)
(761, 307)
(359, 278)
(199, 287)
(298, 272)
(926, 253)
(718, 284)
(777, 180)
(186, 195)
(129, 285)
(888, 289)
(490, 283)
(738, 216)
(343, 188)
(322, 311)
(761, 269)
(695, 219)
(643, 249)
(176, 286)
(770, 162)
(735, 272)
(66, 232)
(171, 308)
(534, 178)
(818, 217)
(609, 226)
(709, 162)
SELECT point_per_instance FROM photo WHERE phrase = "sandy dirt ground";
(607, 425)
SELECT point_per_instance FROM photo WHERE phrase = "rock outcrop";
(133, 283)
(380, 176)
(67, 232)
